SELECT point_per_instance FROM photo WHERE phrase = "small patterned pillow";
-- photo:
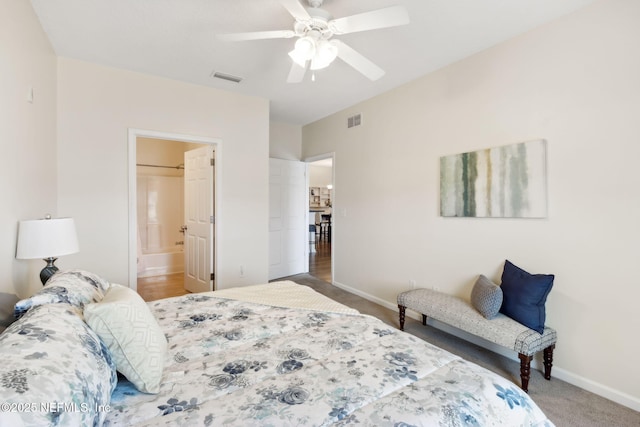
(75, 287)
(486, 297)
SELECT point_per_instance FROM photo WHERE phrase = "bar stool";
(325, 226)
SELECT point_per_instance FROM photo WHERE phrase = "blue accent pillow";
(524, 296)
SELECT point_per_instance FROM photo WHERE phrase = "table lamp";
(47, 238)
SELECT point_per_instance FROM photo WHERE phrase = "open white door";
(198, 215)
(288, 229)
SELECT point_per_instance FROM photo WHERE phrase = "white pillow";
(124, 322)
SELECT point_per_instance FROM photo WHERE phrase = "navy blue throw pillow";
(524, 296)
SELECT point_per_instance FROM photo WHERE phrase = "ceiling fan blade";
(296, 10)
(296, 74)
(257, 35)
(381, 18)
(357, 61)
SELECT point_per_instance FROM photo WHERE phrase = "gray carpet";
(563, 403)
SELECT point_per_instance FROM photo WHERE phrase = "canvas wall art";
(502, 182)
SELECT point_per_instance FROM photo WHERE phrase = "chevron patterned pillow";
(138, 346)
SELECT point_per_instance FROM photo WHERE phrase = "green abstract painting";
(501, 182)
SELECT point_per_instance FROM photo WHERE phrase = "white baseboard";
(597, 388)
(557, 372)
(366, 296)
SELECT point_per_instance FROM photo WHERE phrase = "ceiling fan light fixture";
(304, 50)
(326, 53)
(305, 47)
(299, 59)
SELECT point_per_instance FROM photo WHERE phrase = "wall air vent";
(227, 77)
(354, 121)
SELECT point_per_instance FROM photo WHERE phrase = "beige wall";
(574, 82)
(285, 141)
(97, 106)
(27, 139)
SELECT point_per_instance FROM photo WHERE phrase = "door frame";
(334, 226)
(133, 135)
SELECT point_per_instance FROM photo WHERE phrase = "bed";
(277, 354)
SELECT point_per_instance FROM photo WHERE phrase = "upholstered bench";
(501, 330)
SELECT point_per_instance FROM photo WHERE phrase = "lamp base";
(48, 271)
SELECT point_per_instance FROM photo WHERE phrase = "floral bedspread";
(233, 363)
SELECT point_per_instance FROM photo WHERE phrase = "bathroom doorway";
(157, 214)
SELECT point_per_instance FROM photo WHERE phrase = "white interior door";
(198, 215)
(288, 229)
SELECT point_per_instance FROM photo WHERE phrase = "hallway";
(320, 260)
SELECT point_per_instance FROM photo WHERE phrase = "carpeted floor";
(564, 404)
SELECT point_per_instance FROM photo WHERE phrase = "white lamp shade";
(306, 47)
(46, 238)
(298, 58)
(326, 53)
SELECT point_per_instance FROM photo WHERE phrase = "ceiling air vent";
(354, 121)
(227, 77)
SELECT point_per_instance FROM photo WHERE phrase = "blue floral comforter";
(233, 363)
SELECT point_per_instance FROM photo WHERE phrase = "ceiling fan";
(315, 47)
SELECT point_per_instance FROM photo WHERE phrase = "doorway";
(321, 218)
(159, 247)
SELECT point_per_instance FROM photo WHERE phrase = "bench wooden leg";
(401, 309)
(548, 361)
(401, 312)
(525, 371)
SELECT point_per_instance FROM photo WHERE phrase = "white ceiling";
(177, 39)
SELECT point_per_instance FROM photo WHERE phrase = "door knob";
(183, 229)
